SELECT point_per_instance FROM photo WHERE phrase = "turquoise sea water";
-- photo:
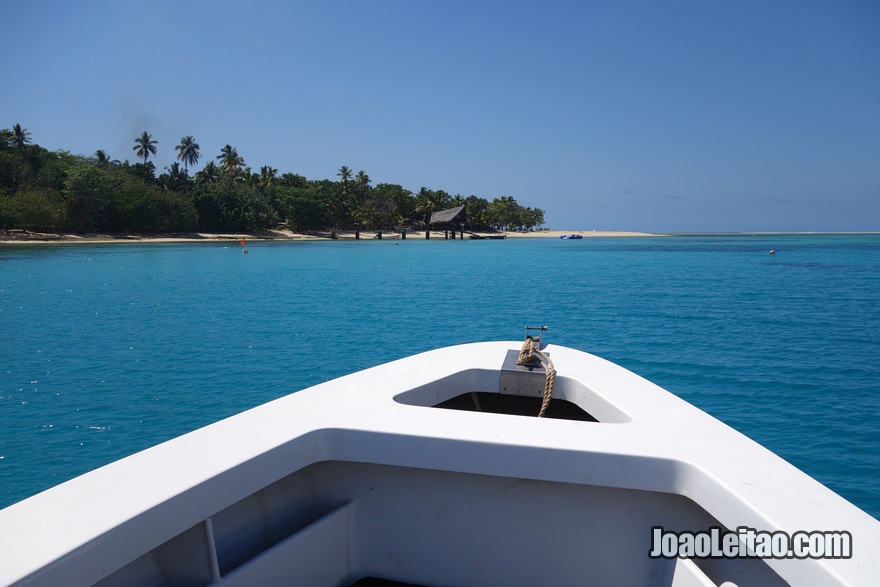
(110, 349)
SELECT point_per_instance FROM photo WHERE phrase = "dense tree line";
(56, 191)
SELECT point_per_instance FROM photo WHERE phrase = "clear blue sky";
(691, 115)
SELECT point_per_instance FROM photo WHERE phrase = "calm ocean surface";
(110, 349)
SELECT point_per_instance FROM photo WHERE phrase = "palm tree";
(428, 201)
(344, 174)
(230, 159)
(267, 176)
(145, 146)
(362, 185)
(174, 179)
(362, 181)
(188, 152)
(20, 136)
(503, 212)
(103, 158)
(538, 217)
(207, 174)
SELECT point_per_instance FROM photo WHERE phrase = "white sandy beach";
(583, 233)
(21, 237)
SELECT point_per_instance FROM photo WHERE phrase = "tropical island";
(58, 192)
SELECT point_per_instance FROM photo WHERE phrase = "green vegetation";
(55, 191)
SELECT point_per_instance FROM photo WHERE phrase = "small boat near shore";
(571, 236)
(435, 470)
(488, 237)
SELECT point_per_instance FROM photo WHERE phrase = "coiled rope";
(529, 356)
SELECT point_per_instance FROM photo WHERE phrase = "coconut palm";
(230, 159)
(188, 152)
(144, 146)
(362, 185)
(208, 173)
(538, 217)
(344, 174)
(103, 158)
(173, 179)
(20, 136)
(267, 176)
(428, 201)
(362, 182)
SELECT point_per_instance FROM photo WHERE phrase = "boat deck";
(368, 476)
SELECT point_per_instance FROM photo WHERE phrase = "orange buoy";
(242, 242)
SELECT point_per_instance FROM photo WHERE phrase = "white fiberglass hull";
(362, 477)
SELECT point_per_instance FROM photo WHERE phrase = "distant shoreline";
(22, 237)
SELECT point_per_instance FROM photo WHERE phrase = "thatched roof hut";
(452, 215)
